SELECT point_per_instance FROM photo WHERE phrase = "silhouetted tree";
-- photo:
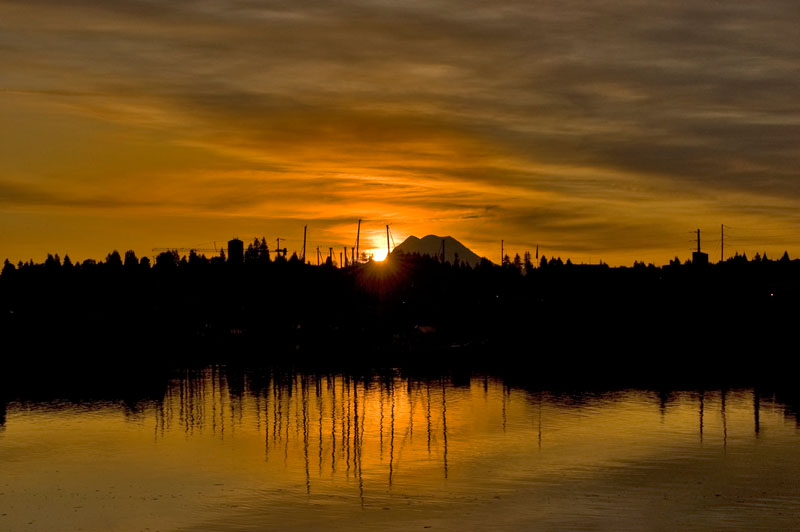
(196, 260)
(68, 266)
(517, 262)
(251, 253)
(8, 268)
(131, 262)
(167, 260)
(785, 257)
(113, 260)
(52, 262)
(144, 263)
(263, 251)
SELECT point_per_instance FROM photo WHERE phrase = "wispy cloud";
(598, 129)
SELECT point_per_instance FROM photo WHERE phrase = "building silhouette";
(235, 251)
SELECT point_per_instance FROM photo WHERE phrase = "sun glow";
(379, 254)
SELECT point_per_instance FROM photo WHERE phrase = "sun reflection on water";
(226, 449)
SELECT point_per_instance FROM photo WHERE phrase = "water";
(226, 450)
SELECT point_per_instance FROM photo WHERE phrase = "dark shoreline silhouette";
(728, 322)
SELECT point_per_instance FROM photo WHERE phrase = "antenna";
(358, 236)
(305, 231)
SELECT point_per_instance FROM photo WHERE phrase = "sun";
(379, 254)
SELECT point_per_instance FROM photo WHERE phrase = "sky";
(596, 129)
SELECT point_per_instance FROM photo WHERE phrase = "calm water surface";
(227, 450)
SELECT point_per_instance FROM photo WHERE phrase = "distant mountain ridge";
(432, 245)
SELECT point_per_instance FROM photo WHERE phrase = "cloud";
(599, 127)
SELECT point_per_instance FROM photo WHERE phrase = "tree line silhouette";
(409, 309)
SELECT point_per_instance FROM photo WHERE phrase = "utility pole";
(698, 240)
(278, 250)
(721, 242)
(345, 257)
(305, 232)
(353, 255)
(358, 238)
(341, 264)
(502, 253)
(330, 255)
(388, 248)
(317, 255)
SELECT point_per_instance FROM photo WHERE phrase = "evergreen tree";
(52, 263)
(526, 263)
(8, 269)
(263, 251)
(131, 262)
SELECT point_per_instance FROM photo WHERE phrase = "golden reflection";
(288, 442)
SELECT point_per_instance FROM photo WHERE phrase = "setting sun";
(379, 254)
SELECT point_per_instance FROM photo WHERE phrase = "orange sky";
(597, 132)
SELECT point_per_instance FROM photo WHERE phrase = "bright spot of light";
(379, 254)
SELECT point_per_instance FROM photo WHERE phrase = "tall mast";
(305, 231)
(358, 237)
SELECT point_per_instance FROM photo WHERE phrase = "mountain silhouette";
(432, 245)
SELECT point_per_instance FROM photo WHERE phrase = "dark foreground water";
(226, 450)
